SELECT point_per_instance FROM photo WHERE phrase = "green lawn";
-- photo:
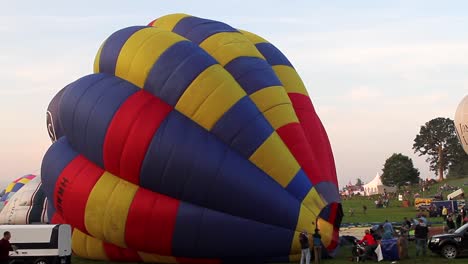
(393, 213)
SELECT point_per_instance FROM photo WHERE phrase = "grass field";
(394, 213)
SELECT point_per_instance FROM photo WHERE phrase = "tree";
(459, 169)
(438, 140)
(399, 169)
(359, 182)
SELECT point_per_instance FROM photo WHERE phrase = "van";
(40, 244)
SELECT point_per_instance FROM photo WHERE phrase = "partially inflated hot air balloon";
(461, 123)
(15, 186)
(193, 142)
(27, 206)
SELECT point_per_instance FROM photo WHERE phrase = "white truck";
(39, 244)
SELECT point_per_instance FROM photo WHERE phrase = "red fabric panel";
(152, 23)
(335, 238)
(130, 133)
(333, 211)
(151, 222)
(57, 219)
(115, 253)
(75, 184)
(294, 137)
(316, 136)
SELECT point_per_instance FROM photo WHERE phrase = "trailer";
(456, 194)
(40, 244)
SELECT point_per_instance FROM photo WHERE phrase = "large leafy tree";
(399, 169)
(438, 140)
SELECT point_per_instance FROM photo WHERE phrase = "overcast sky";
(375, 70)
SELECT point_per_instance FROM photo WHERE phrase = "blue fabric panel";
(283, 259)
(57, 157)
(389, 249)
(300, 185)
(252, 136)
(54, 127)
(243, 127)
(250, 260)
(329, 191)
(16, 187)
(186, 162)
(220, 234)
(37, 207)
(198, 29)
(252, 73)
(112, 47)
(50, 209)
(272, 54)
(325, 213)
(87, 108)
(175, 70)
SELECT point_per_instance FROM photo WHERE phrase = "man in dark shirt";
(5, 248)
(420, 236)
(305, 253)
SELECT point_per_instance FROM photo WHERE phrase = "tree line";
(438, 141)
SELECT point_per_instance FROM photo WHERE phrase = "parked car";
(450, 245)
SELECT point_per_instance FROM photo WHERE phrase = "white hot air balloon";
(461, 122)
(26, 206)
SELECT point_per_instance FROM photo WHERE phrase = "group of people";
(375, 235)
(305, 246)
(455, 219)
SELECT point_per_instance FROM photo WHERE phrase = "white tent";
(377, 187)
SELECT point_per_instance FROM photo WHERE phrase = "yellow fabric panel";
(169, 22)
(314, 201)
(296, 258)
(254, 38)
(23, 180)
(226, 46)
(87, 246)
(152, 258)
(97, 59)
(276, 106)
(141, 51)
(209, 96)
(9, 187)
(274, 158)
(107, 208)
(290, 79)
(326, 231)
(281, 115)
(269, 97)
(305, 222)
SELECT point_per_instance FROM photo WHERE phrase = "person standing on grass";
(444, 212)
(420, 235)
(403, 243)
(459, 220)
(364, 209)
(317, 246)
(305, 249)
(450, 223)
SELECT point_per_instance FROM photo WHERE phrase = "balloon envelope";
(461, 123)
(15, 186)
(193, 142)
(27, 206)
